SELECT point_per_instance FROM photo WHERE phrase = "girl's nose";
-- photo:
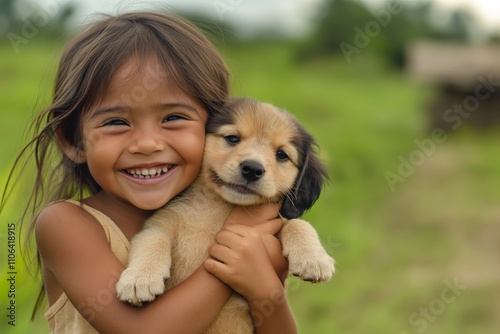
(147, 142)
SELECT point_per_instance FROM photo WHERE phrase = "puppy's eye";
(281, 156)
(232, 139)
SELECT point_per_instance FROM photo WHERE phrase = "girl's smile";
(148, 172)
(149, 176)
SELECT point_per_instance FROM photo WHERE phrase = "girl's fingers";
(252, 215)
(275, 251)
(241, 230)
(221, 253)
(228, 238)
(240, 236)
(215, 267)
(240, 239)
(270, 227)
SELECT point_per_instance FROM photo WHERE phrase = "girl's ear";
(72, 152)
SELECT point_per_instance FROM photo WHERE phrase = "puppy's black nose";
(252, 170)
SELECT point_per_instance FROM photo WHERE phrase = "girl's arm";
(244, 259)
(75, 253)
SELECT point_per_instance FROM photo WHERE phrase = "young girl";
(127, 124)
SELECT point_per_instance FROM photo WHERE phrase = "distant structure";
(468, 79)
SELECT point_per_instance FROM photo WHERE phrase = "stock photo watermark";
(266, 308)
(455, 116)
(372, 29)
(11, 275)
(421, 319)
(33, 23)
(93, 305)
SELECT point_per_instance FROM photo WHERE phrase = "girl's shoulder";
(61, 224)
(64, 212)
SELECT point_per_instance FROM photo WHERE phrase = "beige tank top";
(62, 316)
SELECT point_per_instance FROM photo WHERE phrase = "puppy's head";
(256, 153)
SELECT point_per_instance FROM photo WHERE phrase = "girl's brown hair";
(86, 67)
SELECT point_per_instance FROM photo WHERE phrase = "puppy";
(254, 153)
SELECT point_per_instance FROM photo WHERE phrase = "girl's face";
(144, 142)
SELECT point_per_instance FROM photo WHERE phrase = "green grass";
(395, 250)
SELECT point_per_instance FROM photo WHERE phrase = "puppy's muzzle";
(252, 170)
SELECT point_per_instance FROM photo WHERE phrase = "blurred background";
(403, 98)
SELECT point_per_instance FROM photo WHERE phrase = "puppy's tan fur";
(175, 241)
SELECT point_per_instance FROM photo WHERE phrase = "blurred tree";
(349, 27)
(495, 38)
(6, 10)
(335, 27)
(459, 27)
(24, 18)
(215, 28)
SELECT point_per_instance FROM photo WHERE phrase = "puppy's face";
(256, 153)
(251, 158)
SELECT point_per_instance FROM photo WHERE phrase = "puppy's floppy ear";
(312, 176)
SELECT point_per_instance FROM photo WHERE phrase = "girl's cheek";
(92, 138)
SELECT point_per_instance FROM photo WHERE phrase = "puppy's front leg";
(148, 268)
(306, 256)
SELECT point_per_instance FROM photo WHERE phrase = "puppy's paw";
(312, 266)
(138, 286)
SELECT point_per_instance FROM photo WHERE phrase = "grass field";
(420, 255)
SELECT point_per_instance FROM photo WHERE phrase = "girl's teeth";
(147, 173)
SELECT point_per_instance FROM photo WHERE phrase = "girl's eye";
(282, 156)
(232, 139)
(115, 122)
(173, 117)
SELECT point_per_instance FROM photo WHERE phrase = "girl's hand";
(241, 260)
(248, 257)
(256, 216)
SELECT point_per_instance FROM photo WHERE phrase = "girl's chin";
(150, 204)
(147, 207)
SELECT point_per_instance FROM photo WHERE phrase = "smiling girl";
(127, 125)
